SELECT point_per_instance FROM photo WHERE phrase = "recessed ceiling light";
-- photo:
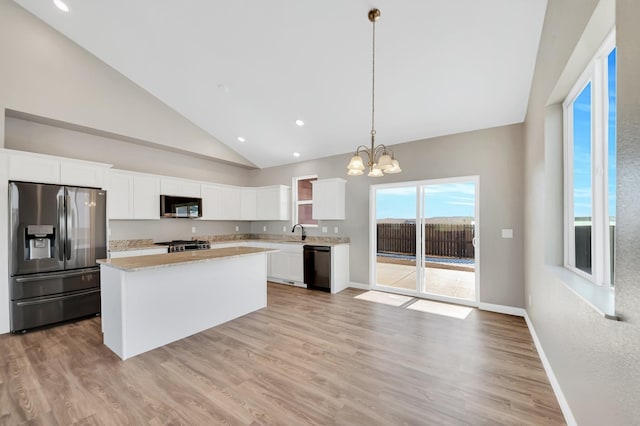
(241, 139)
(296, 154)
(61, 5)
(300, 123)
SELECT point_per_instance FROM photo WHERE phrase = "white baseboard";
(359, 285)
(562, 401)
(502, 309)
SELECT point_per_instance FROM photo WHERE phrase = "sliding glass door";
(424, 239)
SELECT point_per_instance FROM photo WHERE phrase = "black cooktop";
(178, 242)
(184, 245)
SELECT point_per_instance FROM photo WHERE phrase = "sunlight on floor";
(422, 305)
(453, 311)
(386, 298)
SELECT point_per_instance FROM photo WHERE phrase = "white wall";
(595, 360)
(496, 155)
(45, 74)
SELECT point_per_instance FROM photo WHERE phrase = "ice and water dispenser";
(40, 240)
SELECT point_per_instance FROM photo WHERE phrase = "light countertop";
(154, 261)
(276, 241)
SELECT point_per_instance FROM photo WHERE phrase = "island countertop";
(154, 261)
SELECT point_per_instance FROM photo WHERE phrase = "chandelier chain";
(373, 84)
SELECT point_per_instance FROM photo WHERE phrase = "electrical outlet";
(264, 228)
(193, 229)
(237, 228)
(324, 229)
(284, 228)
(335, 230)
(529, 300)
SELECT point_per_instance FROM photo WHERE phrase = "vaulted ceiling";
(250, 69)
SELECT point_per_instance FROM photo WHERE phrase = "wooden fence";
(448, 240)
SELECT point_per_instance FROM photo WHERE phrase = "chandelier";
(380, 158)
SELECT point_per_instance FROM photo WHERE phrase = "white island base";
(147, 307)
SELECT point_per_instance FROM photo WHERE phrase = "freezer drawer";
(37, 285)
(26, 314)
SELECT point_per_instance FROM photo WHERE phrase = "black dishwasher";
(317, 267)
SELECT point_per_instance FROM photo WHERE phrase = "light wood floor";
(308, 358)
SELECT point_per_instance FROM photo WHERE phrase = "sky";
(440, 200)
(582, 203)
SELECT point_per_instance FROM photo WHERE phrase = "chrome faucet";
(304, 236)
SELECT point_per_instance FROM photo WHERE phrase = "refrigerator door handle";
(56, 298)
(62, 229)
(69, 227)
(29, 279)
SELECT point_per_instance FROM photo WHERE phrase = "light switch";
(237, 228)
(193, 229)
(264, 228)
(284, 228)
(335, 230)
(507, 233)
(324, 229)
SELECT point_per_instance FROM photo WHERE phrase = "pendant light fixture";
(380, 158)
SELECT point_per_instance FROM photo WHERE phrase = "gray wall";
(26, 135)
(496, 155)
(173, 229)
(45, 74)
(596, 361)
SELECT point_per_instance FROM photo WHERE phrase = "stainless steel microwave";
(180, 207)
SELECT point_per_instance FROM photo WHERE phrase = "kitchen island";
(150, 301)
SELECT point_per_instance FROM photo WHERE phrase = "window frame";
(595, 73)
(295, 202)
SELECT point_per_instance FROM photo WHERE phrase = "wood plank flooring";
(308, 358)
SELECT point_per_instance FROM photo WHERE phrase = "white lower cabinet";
(287, 265)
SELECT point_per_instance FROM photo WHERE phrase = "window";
(590, 169)
(303, 200)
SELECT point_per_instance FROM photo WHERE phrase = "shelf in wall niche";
(601, 299)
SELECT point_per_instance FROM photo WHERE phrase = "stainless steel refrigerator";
(56, 234)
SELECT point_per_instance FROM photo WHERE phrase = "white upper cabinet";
(230, 203)
(180, 187)
(146, 197)
(39, 168)
(211, 202)
(273, 203)
(34, 168)
(222, 202)
(83, 174)
(328, 199)
(133, 195)
(248, 204)
(119, 195)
